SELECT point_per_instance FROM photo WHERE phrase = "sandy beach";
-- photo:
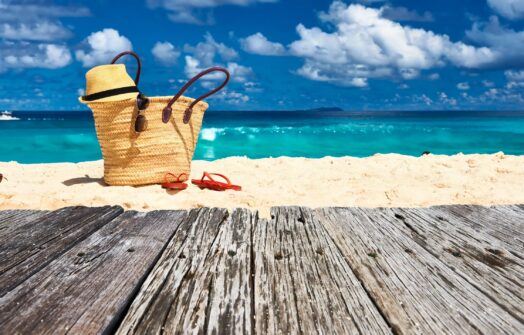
(380, 180)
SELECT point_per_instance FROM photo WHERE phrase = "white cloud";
(165, 53)
(206, 51)
(196, 11)
(30, 32)
(102, 46)
(212, 53)
(434, 76)
(488, 83)
(28, 11)
(515, 79)
(507, 44)
(239, 73)
(513, 75)
(404, 14)
(463, 86)
(47, 56)
(423, 99)
(232, 97)
(38, 31)
(365, 45)
(511, 9)
(446, 100)
(260, 45)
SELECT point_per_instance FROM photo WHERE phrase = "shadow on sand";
(84, 180)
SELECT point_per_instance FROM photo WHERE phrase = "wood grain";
(416, 291)
(17, 218)
(201, 284)
(477, 257)
(303, 284)
(505, 223)
(34, 240)
(88, 288)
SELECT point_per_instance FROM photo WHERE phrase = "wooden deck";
(449, 269)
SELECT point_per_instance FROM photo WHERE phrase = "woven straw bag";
(140, 147)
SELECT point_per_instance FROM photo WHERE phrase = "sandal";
(178, 184)
(215, 185)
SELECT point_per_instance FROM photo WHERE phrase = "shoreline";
(381, 180)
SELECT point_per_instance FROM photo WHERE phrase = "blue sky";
(283, 54)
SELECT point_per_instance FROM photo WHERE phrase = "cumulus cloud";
(232, 97)
(196, 11)
(38, 31)
(507, 44)
(446, 100)
(405, 14)
(32, 34)
(511, 9)
(206, 51)
(239, 73)
(513, 75)
(47, 56)
(28, 11)
(102, 46)
(260, 45)
(365, 45)
(434, 76)
(210, 53)
(463, 86)
(165, 53)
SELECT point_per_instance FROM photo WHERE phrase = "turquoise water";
(42, 137)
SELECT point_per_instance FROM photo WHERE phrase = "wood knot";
(400, 217)
(454, 252)
(372, 254)
(231, 253)
(495, 251)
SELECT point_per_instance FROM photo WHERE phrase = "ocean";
(44, 137)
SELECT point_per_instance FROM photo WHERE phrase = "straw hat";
(108, 83)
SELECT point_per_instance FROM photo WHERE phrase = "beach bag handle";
(166, 113)
(139, 64)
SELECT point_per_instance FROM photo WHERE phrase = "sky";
(282, 54)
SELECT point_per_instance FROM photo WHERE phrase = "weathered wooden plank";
(13, 219)
(30, 247)
(416, 292)
(87, 289)
(202, 282)
(506, 225)
(303, 284)
(477, 257)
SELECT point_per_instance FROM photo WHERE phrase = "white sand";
(381, 180)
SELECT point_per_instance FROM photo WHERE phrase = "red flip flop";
(178, 184)
(215, 185)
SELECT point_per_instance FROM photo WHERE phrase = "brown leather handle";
(139, 64)
(166, 113)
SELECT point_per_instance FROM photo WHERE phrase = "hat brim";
(119, 97)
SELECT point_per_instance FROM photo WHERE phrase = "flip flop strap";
(166, 113)
(139, 64)
(208, 175)
(177, 178)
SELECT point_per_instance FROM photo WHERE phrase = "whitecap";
(210, 134)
